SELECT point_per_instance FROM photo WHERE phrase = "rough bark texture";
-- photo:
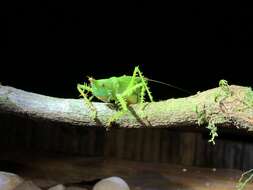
(213, 105)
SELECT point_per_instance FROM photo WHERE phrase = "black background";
(51, 46)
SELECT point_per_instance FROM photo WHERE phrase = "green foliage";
(223, 84)
(245, 179)
(209, 122)
(212, 121)
(248, 98)
(213, 132)
(122, 91)
(201, 116)
(212, 126)
(224, 90)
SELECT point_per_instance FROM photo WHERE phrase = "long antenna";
(170, 85)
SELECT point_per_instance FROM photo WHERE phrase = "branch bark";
(227, 111)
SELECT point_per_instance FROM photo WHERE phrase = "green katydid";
(123, 91)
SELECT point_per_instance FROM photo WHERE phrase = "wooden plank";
(156, 145)
(138, 150)
(187, 148)
(165, 145)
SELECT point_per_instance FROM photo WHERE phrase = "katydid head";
(100, 89)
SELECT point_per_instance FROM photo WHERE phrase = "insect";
(123, 91)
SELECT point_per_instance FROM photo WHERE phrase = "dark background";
(51, 46)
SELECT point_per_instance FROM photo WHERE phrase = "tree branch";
(235, 110)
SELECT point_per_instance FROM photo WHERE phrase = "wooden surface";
(232, 150)
(53, 169)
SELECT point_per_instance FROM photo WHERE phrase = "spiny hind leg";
(142, 103)
(141, 96)
(144, 88)
(138, 73)
(87, 101)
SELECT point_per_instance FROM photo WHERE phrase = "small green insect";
(122, 91)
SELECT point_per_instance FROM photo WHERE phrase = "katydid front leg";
(87, 101)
